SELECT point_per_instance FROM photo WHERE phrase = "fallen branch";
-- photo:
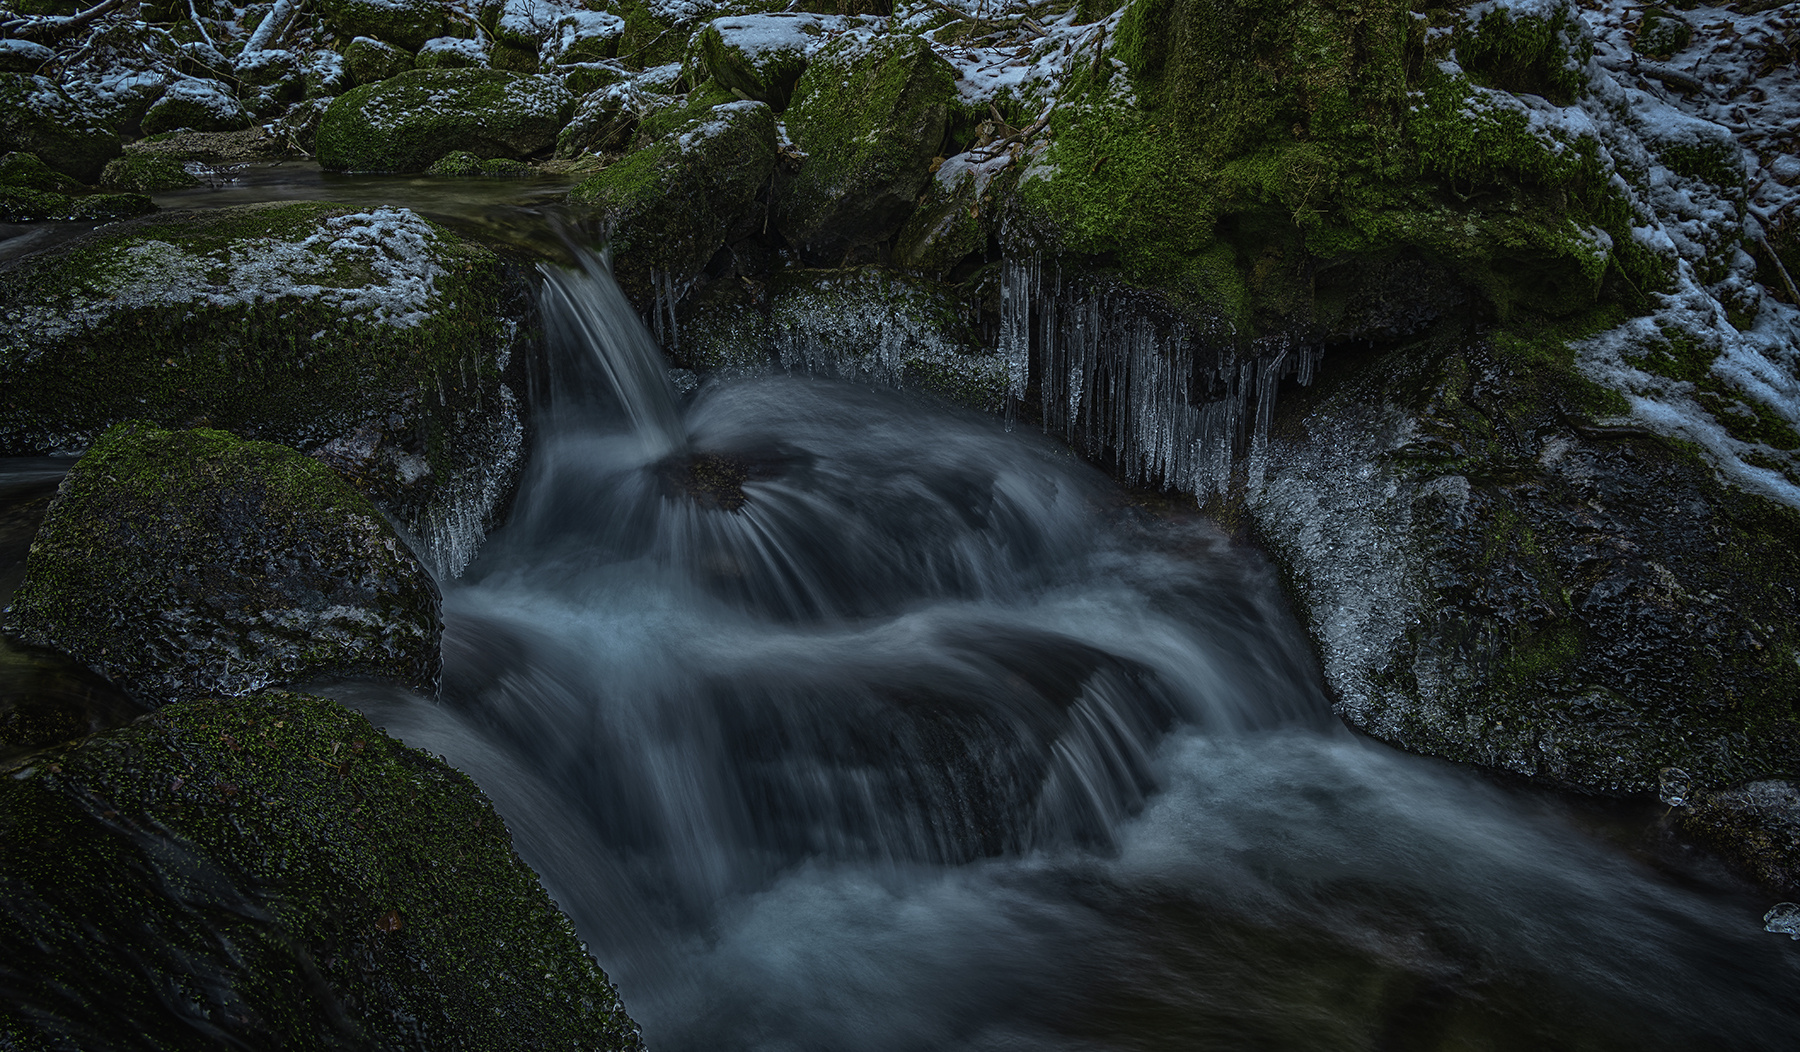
(43, 30)
(1674, 78)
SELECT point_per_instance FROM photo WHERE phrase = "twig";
(1780, 268)
(1674, 78)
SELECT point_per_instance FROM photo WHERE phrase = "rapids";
(837, 719)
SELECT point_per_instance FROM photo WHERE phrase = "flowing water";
(838, 720)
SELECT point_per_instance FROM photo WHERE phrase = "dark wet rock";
(146, 174)
(284, 875)
(406, 24)
(37, 116)
(1757, 826)
(226, 147)
(405, 123)
(184, 564)
(607, 118)
(375, 341)
(47, 698)
(870, 116)
(196, 104)
(23, 56)
(1491, 578)
(958, 214)
(673, 203)
(369, 60)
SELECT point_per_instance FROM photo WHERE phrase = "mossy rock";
(1491, 578)
(275, 872)
(27, 172)
(1756, 826)
(584, 78)
(465, 164)
(406, 24)
(327, 75)
(37, 116)
(373, 340)
(1660, 34)
(870, 116)
(761, 55)
(607, 119)
(451, 53)
(405, 123)
(515, 59)
(1342, 134)
(369, 60)
(23, 56)
(184, 564)
(24, 206)
(146, 174)
(674, 203)
(584, 36)
(196, 104)
(957, 216)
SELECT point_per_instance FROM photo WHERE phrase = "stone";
(186, 564)
(146, 174)
(761, 55)
(451, 53)
(869, 115)
(676, 201)
(374, 340)
(196, 104)
(369, 60)
(284, 875)
(37, 116)
(405, 123)
(406, 24)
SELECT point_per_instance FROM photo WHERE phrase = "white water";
(841, 721)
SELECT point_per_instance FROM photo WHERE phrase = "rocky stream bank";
(1479, 318)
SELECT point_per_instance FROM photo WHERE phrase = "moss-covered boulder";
(606, 119)
(274, 872)
(24, 206)
(761, 55)
(1243, 144)
(405, 123)
(958, 215)
(870, 115)
(369, 60)
(406, 24)
(196, 104)
(675, 202)
(1492, 577)
(37, 116)
(183, 564)
(146, 174)
(583, 36)
(451, 53)
(373, 340)
(27, 172)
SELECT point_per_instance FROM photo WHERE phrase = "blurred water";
(838, 720)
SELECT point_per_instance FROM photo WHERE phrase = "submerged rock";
(373, 340)
(406, 122)
(183, 564)
(274, 872)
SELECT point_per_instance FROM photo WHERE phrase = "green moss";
(282, 870)
(1332, 127)
(405, 123)
(146, 174)
(870, 117)
(1538, 53)
(184, 562)
(1661, 34)
(649, 41)
(26, 172)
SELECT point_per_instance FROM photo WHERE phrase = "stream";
(836, 718)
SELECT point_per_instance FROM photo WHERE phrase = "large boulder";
(373, 340)
(196, 104)
(183, 564)
(761, 55)
(870, 114)
(675, 202)
(368, 60)
(1492, 577)
(404, 123)
(37, 116)
(406, 24)
(274, 872)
